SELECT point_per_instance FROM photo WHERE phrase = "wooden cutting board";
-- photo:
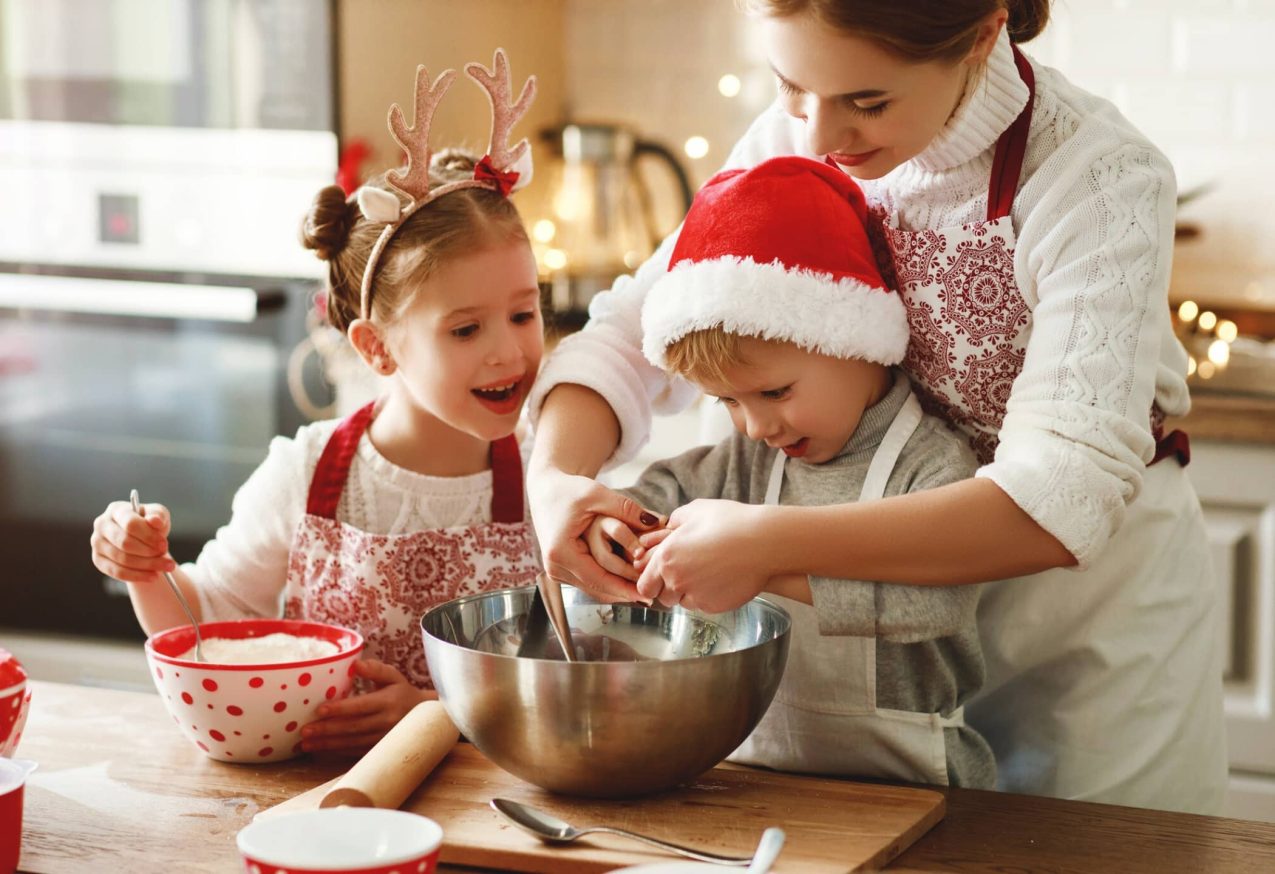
(832, 825)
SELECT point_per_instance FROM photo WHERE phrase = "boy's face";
(469, 346)
(806, 404)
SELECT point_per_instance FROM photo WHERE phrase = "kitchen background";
(175, 389)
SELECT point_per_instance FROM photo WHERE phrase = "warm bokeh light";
(1220, 352)
(1207, 369)
(543, 230)
(1227, 330)
(632, 259)
(696, 147)
(728, 85)
(1190, 365)
(1208, 320)
(555, 259)
(1188, 310)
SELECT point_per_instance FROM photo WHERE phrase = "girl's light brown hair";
(920, 30)
(461, 222)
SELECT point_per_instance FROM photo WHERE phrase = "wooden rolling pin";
(390, 771)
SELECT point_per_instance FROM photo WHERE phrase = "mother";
(1029, 226)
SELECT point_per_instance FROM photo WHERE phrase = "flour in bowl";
(264, 650)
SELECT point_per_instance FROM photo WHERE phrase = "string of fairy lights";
(1204, 330)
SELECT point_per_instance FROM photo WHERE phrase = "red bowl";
(13, 778)
(15, 702)
(341, 840)
(250, 713)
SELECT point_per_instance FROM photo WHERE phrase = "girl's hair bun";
(451, 165)
(326, 228)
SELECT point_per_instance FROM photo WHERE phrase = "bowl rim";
(327, 813)
(349, 642)
(464, 599)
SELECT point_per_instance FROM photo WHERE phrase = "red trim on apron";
(1007, 167)
(333, 470)
(1007, 163)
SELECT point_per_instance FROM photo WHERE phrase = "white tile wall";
(1198, 76)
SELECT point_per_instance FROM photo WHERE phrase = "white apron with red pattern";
(381, 584)
(1103, 684)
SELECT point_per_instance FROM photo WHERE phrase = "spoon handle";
(172, 584)
(701, 855)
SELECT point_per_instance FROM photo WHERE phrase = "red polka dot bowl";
(348, 840)
(15, 702)
(250, 713)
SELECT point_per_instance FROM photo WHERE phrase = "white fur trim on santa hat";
(843, 318)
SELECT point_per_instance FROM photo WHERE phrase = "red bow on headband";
(484, 171)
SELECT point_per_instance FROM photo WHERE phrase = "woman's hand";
(564, 506)
(355, 724)
(713, 557)
(130, 547)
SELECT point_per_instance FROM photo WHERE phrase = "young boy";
(774, 305)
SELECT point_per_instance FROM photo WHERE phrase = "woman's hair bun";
(326, 228)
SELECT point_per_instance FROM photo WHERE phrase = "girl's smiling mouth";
(501, 397)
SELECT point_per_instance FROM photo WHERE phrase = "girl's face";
(805, 404)
(468, 346)
(866, 108)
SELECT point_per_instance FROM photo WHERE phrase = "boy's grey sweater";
(928, 654)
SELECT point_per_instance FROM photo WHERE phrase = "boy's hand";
(130, 547)
(712, 557)
(614, 546)
(355, 724)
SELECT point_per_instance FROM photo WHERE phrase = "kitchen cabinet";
(1236, 484)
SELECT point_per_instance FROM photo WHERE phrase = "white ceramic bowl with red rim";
(13, 777)
(341, 840)
(15, 702)
(250, 713)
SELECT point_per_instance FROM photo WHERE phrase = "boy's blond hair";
(704, 355)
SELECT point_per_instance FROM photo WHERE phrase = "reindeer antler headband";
(495, 171)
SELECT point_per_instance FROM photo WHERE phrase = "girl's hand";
(564, 506)
(712, 557)
(355, 724)
(614, 546)
(130, 547)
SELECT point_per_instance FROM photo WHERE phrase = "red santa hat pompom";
(778, 251)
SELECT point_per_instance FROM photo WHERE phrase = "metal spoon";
(172, 584)
(552, 830)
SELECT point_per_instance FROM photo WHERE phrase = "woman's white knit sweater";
(1094, 221)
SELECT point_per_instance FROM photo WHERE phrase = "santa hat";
(778, 251)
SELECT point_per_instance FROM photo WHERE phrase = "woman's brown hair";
(921, 30)
(460, 222)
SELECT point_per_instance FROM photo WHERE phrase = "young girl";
(415, 499)
(1029, 227)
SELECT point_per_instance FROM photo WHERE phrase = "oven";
(157, 157)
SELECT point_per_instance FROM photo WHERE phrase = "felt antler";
(504, 115)
(413, 181)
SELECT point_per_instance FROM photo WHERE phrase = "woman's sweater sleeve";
(242, 571)
(1076, 437)
(606, 355)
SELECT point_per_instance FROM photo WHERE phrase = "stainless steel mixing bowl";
(608, 729)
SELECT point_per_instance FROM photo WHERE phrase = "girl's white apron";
(1104, 684)
(824, 718)
(380, 584)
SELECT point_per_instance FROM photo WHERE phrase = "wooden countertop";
(119, 789)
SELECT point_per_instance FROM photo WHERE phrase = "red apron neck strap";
(1007, 165)
(334, 464)
(333, 470)
(506, 480)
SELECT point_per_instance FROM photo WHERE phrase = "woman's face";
(866, 108)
